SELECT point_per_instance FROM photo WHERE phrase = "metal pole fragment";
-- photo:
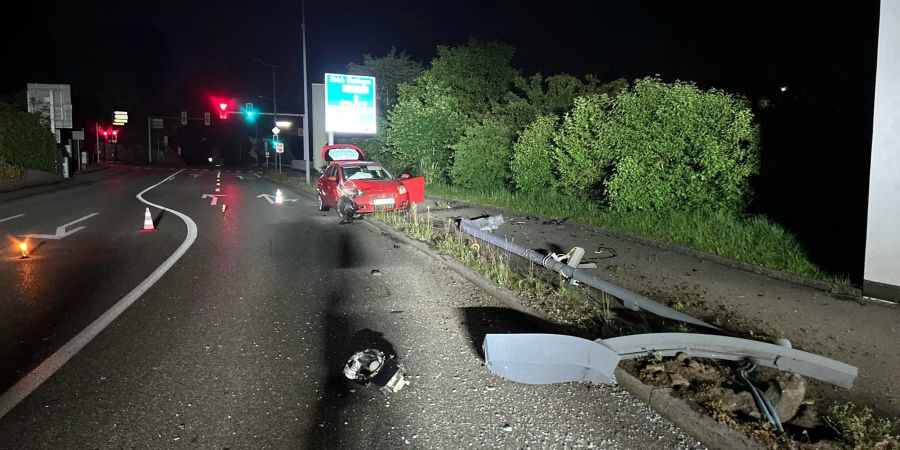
(631, 299)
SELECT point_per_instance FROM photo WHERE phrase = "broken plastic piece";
(372, 366)
(548, 358)
(489, 223)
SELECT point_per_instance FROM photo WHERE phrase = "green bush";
(25, 142)
(673, 146)
(9, 173)
(423, 125)
(481, 157)
(578, 152)
(532, 162)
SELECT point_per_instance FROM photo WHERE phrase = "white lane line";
(61, 232)
(11, 218)
(31, 381)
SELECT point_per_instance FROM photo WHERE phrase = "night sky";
(178, 52)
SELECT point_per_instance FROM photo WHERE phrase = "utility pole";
(306, 153)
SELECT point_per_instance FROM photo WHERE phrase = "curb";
(711, 257)
(703, 428)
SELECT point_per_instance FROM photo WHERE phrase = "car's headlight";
(402, 189)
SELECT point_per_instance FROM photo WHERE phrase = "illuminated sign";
(349, 103)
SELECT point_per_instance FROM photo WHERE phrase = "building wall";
(882, 265)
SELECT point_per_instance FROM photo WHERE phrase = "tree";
(477, 73)
(578, 152)
(390, 71)
(423, 126)
(481, 157)
(532, 162)
(674, 146)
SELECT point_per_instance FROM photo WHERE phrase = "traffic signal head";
(223, 110)
(223, 106)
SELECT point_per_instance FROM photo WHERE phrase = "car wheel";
(321, 202)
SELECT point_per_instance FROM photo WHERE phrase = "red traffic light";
(223, 106)
(115, 132)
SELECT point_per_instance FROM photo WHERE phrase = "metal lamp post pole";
(306, 154)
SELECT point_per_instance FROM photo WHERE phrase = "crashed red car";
(367, 183)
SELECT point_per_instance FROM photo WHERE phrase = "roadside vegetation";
(24, 144)
(664, 160)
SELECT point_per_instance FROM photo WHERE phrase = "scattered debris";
(372, 366)
(375, 273)
(556, 222)
(506, 427)
(606, 252)
(489, 223)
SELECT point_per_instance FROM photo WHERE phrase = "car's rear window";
(369, 172)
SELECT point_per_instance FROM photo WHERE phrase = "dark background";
(162, 57)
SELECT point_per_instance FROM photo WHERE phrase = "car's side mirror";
(404, 176)
(332, 178)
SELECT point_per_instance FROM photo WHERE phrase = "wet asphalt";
(241, 343)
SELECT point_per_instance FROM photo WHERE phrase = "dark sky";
(176, 54)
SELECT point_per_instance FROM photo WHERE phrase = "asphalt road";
(240, 344)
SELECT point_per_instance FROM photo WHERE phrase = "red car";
(367, 183)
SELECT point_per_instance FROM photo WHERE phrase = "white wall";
(882, 264)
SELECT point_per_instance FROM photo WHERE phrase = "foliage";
(476, 73)
(389, 71)
(423, 126)
(532, 162)
(25, 142)
(860, 429)
(673, 146)
(578, 151)
(481, 157)
(9, 173)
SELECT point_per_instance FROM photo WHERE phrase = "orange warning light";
(23, 247)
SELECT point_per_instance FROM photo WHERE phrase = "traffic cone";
(279, 198)
(148, 221)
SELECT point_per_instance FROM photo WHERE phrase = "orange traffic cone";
(148, 221)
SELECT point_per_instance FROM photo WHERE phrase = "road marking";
(31, 381)
(244, 177)
(11, 218)
(195, 175)
(214, 197)
(218, 174)
(271, 198)
(61, 232)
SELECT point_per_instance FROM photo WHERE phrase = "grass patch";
(291, 180)
(754, 239)
(859, 429)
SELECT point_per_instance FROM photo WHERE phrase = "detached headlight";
(402, 189)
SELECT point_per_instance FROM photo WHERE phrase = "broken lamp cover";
(371, 366)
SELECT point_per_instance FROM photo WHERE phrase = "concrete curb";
(703, 428)
(747, 267)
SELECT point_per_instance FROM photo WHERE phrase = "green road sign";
(349, 103)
